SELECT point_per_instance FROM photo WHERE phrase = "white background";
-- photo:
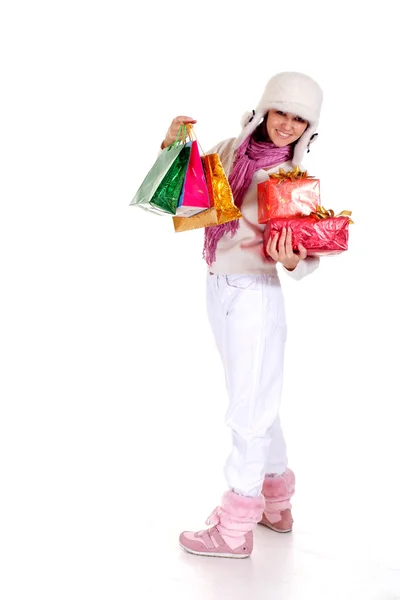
(112, 396)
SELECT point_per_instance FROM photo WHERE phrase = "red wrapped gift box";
(321, 235)
(287, 194)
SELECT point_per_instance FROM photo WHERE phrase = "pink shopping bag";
(194, 197)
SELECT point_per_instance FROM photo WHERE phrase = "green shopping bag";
(160, 191)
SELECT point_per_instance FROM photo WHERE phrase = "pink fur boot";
(277, 492)
(231, 534)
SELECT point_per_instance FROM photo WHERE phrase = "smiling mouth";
(283, 135)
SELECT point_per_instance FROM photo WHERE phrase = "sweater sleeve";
(305, 267)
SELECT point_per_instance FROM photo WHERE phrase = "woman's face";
(284, 128)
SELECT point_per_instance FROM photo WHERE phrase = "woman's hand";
(173, 130)
(280, 248)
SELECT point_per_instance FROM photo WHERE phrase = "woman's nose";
(287, 124)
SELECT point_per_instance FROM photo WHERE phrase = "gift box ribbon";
(293, 175)
(323, 213)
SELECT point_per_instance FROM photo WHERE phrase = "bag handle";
(180, 136)
(192, 135)
(185, 130)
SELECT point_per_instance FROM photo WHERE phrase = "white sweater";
(244, 253)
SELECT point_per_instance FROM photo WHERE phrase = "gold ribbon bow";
(323, 213)
(292, 175)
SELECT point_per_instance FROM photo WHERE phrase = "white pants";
(247, 315)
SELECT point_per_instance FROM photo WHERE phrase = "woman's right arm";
(173, 130)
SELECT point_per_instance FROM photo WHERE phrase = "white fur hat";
(290, 92)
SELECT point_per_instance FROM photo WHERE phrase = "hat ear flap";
(313, 139)
(251, 120)
(302, 146)
(247, 117)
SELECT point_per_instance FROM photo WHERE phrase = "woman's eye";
(280, 112)
(300, 120)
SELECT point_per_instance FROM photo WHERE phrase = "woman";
(247, 315)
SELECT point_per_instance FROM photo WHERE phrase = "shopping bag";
(222, 207)
(160, 190)
(194, 197)
(166, 196)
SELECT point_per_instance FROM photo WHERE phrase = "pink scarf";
(251, 157)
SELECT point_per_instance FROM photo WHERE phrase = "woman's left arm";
(280, 248)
